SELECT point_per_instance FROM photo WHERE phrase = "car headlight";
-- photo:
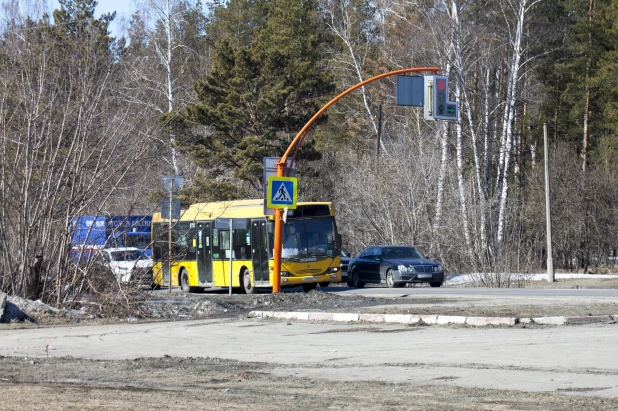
(437, 268)
(402, 268)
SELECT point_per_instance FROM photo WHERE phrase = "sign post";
(282, 193)
(171, 184)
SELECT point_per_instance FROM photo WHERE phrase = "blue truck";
(91, 233)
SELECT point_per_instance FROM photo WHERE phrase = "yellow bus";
(202, 247)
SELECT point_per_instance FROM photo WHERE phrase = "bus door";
(204, 257)
(259, 251)
(161, 250)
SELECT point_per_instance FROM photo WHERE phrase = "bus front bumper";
(298, 280)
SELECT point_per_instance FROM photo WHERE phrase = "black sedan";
(394, 265)
(345, 261)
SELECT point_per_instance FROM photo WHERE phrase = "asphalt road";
(569, 359)
(478, 292)
(443, 291)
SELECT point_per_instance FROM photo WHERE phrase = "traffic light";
(437, 106)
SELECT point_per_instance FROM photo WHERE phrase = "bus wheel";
(309, 287)
(247, 287)
(184, 281)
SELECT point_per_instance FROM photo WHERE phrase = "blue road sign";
(282, 192)
(410, 91)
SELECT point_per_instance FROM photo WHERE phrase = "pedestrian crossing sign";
(282, 192)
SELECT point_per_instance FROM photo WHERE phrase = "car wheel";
(309, 287)
(356, 282)
(390, 279)
(184, 281)
(436, 284)
(247, 286)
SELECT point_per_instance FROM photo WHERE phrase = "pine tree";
(605, 81)
(267, 80)
(575, 105)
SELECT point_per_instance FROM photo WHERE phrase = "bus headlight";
(333, 270)
(285, 274)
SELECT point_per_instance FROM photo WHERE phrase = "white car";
(128, 264)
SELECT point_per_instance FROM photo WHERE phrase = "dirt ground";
(214, 384)
(40, 383)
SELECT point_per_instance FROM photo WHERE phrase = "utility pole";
(550, 260)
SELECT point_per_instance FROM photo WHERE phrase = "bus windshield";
(309, 237)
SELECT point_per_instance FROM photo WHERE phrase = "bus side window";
(224, 244)
(224, 239)
(242, 243)
(216, 252)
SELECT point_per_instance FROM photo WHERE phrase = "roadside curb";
(432, 319)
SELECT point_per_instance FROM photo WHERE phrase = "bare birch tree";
(67, 146)
(166, 85)
(518, 8)
(350, 21)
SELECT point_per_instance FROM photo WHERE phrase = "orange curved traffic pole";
(281, 164)
(284, 158)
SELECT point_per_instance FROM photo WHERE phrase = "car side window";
(377, 253)
(364, 253)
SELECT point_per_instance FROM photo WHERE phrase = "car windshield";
(129, 255)
(402, 253)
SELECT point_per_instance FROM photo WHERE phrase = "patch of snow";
(459, 279)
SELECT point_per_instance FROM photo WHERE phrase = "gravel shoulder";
(38, 382)
(161, 306)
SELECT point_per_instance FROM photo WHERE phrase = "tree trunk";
(587, 93)
(509, 116)
(458, 66)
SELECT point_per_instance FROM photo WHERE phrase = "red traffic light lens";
(441, 83)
